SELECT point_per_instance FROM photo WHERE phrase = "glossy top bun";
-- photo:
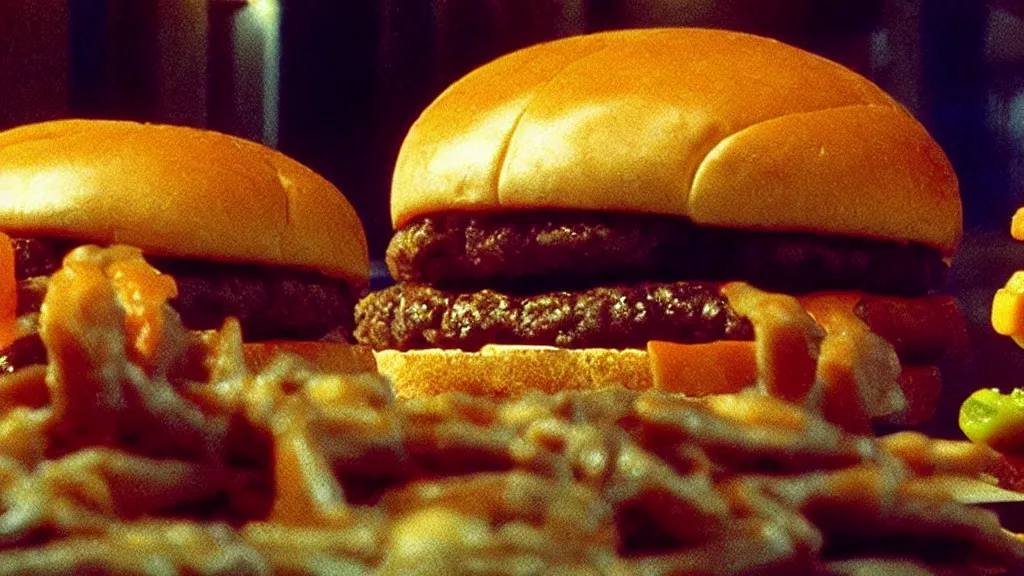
(724, 128)
(177, 192)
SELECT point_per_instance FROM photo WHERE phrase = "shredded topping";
(144, 447)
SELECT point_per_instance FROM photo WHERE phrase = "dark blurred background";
(336, 84)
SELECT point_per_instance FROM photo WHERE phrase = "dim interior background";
(336, 84)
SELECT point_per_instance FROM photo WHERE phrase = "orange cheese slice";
(723, 367)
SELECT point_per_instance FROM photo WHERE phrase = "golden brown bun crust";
(335, 357)
(177, 191)
(514, 371)
(725, 128)
(510, 372)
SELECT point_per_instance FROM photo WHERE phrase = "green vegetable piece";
(989, 417)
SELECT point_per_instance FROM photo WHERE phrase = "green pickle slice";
(989, 417)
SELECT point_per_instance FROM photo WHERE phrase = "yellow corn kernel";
(1017, 225)
(1008, 307)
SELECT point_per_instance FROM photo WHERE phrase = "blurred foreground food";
(144, 447)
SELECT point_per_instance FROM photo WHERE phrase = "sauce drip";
(787, 341)
(142, 291)
(858, 370)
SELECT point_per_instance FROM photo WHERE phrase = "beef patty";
(410, 316)
(270, 302)
(415, 316)
(533, 251)
(588, 279)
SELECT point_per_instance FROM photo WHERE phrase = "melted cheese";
(816, 351)
(855, 363)
(787, 341)
(142, 291)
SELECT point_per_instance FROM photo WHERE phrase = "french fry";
(1008, 307)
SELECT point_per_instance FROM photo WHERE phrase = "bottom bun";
(509, 371)
(329, 356)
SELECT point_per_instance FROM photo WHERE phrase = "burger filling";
(269, 302)
(582, 280)
(533, 252)
(412, 315)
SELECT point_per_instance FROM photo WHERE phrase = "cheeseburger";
(717, 207)
(245, 231)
